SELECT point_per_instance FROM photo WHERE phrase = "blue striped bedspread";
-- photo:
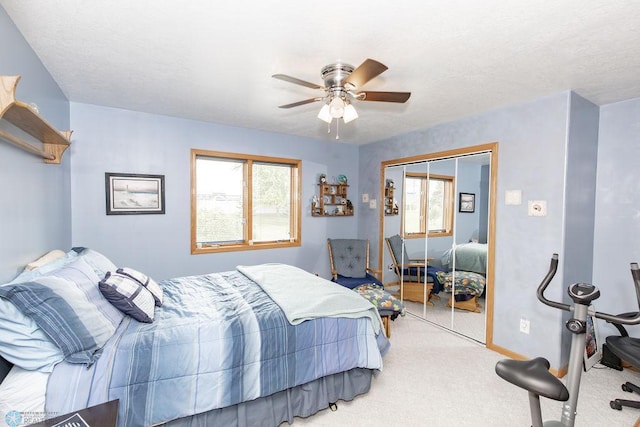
(217, 340)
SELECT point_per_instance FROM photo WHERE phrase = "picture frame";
(592, 346)
(467, 202)
(134, 194)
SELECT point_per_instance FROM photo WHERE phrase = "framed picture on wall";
(134, 194)
(592, 347)
(467, 202)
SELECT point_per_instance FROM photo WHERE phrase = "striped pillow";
(128, 296)
(64, 312)
(145, 281)
(82, 274)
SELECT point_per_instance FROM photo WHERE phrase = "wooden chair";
(411, 272)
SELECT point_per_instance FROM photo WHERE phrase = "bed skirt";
(300, 401)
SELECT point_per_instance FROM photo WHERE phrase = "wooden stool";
(386, 324)
(469, 305)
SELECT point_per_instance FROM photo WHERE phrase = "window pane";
(219, 200)
(436, 204)
(412, 203)
(271, 213)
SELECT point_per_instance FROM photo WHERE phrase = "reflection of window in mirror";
(438, 208)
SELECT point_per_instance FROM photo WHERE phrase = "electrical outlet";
(524, 326)
(537, 208)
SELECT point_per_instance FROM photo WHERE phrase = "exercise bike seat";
(534, 376)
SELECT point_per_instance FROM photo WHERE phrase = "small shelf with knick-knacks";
(331, 199)
(390, 204)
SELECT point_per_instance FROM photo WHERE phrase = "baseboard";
(516, 356)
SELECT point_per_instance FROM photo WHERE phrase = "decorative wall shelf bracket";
(27, 119)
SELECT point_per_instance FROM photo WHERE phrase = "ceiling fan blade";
(296, 104)
(296, 81)
(365, 72)
(383, 96)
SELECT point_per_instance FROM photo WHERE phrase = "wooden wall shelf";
(332, 201)
(29, 120)
(390, 206)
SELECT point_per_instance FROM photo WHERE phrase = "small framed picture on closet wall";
(467, 202)
(134, 194)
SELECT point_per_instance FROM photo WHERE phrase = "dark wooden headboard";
(4, 368)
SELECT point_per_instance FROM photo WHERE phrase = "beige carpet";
(467, 323)
(432, 377)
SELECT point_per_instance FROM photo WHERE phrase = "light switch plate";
(537, 208)
(365, 197)
(513, 197)
(372, 204)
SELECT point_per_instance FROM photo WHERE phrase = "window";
(432, 199)
(243, 202)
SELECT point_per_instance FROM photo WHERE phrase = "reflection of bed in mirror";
(466, 270)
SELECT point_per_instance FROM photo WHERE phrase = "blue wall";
(580, 193)
(617, 219)
(113, 140)
(532, 141)
(36, 202)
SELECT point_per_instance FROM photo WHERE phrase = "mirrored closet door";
(437, 235)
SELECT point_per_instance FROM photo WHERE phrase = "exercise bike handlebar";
(620, 319)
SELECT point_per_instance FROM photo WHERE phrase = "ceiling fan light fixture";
(340, 84)
(336, 107)
(324, 114)
(350, 113)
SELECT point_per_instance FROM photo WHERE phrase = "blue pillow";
(83, 276)
(100, 263)
(23, 343)
(62, 309)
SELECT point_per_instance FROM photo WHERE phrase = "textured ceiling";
(213, 60)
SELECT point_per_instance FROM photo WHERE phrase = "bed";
(468, 279)
(258, 345)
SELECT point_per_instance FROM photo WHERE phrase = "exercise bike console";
(534, 376)
(583, 293)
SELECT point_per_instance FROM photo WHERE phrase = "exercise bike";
(534, 376)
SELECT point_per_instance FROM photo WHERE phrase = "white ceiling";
(213, 60)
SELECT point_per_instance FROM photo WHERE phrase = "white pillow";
(45, 259)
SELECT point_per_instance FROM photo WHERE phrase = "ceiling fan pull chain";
(337, 128)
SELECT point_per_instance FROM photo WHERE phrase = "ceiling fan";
(342, 83)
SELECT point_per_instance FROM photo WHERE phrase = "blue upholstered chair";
(349, 261)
